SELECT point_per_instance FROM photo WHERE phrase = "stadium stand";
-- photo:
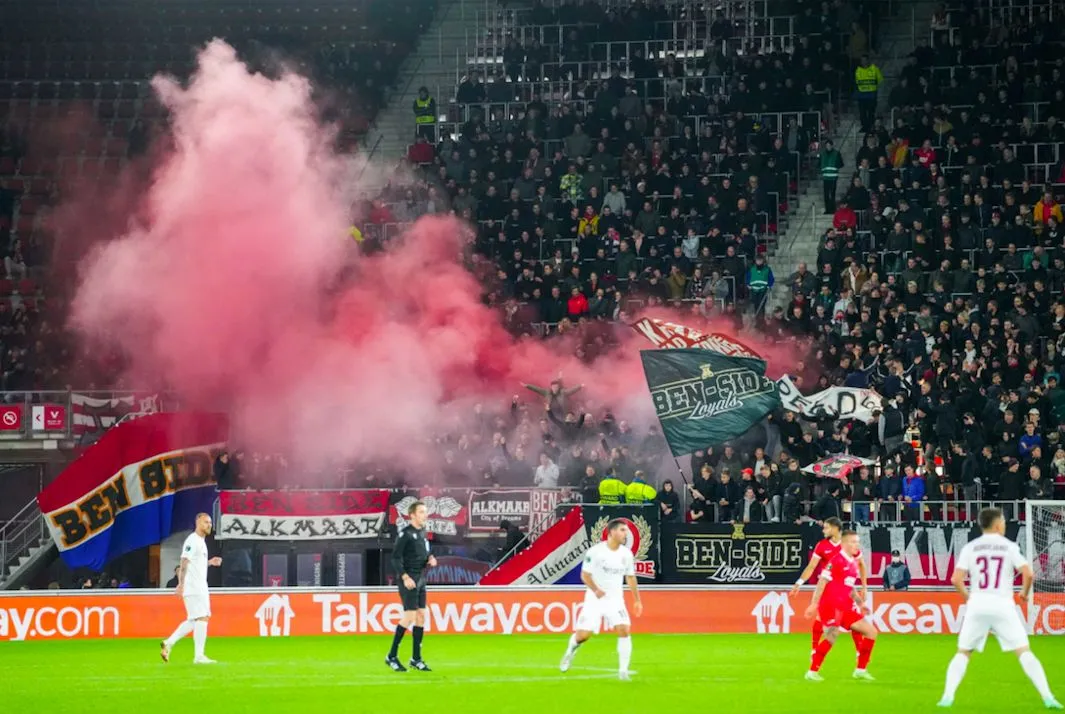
(614, 157)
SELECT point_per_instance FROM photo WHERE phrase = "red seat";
(27, 286)
(6, 286)
(25, 226)
(28, 206)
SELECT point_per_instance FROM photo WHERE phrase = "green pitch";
(500, 674)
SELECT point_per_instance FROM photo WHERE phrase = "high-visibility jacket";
(831, 163)
(424, 111)
(611, 490)
(868, 79)
(639, 492)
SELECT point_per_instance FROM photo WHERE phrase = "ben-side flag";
(703, 398)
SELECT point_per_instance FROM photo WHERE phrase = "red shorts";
(837, 615)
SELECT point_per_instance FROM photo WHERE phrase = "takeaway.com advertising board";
(482, 610)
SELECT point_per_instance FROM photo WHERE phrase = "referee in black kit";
(410, 561)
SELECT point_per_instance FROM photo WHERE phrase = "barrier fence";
(499, 611)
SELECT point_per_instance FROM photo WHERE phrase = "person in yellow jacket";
(425, 115)
(867, 80)
(1047, 208)
(611, 489)
(639, 491)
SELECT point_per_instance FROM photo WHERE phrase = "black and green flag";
(703, 398)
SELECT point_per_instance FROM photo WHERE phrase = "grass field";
(500, 674)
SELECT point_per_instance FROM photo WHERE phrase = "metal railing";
(25, 530)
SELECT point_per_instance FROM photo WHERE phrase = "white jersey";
(195, 552)
(992, 562)
(609, 568)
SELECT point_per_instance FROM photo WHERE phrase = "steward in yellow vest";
(425, 115)
(639, 491)
(611, 490)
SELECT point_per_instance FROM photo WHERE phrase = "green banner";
(703, 398)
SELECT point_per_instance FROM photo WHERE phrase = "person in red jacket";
(577, 306)
(844, 217)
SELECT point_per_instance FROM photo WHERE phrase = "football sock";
(418, 633)
(955, 673)
(1034, 669)
(625, 653)
(199, 637)
(396, 639)
(571, 649)
(183, 629)
(819, 655)
(865, 651)
(818, 630)
(858, 639)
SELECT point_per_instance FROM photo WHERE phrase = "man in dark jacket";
(792, 510)
(1010, 487)
(829, 506)
(897, 573)
(728, 498)
(890, 491)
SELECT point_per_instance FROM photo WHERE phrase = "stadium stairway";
(435, 62)
(803, 239)
(24, 544)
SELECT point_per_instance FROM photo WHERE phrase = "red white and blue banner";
(303, 515)
(143, 480)
(555, 557)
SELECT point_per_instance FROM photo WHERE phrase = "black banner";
(490, 508)
(775, 554)
(645, 534)
(734, 554)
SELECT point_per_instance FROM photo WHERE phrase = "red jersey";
(841, 575)
(826, 550)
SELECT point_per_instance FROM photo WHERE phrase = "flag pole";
(680, 471)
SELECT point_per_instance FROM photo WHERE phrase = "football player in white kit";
(606, 568)
(192, 588)
(990, 564)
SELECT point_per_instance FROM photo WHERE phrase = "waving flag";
(144, 479)
(670, 335)
(703, 398)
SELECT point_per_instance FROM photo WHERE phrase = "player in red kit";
(824, 552)
(840, 606)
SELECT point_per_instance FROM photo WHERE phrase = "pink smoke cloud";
(236, 286)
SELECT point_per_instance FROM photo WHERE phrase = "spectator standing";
(864, 493)
(913, 493)
(889, 493)
(424, 108)
(831, 163)
(546, 475)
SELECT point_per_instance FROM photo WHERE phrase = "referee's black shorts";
(412, 599)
